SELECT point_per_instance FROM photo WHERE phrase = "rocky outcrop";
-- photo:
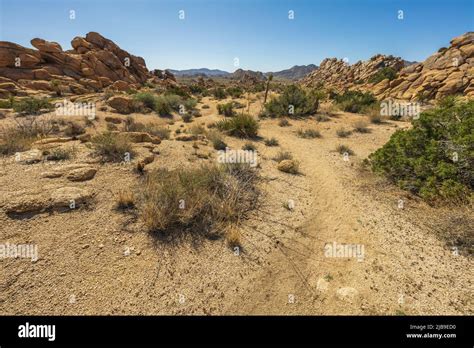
(93, 64)
(449, 71)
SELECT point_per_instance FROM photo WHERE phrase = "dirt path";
(405, 269)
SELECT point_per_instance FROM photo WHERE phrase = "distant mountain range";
(199, 72)
(294, 73)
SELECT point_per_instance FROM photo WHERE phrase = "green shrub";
(423, 159)
(32, 106)
(234, 91)
(226, 109)
(242, 125)
(293, 102)
(354, 101)
(148, 99)
(219, 93)
(382, 74)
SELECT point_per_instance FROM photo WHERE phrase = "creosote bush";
(294, 102)
(32, 106)
(435, 158)
(242, 126)
(203, 200)
(354, 101)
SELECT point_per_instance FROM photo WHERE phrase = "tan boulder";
(46, 46)
(82, 174)
(121, 104)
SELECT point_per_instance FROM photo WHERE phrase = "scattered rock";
(82, 174)
(288, 166)
(186, 137)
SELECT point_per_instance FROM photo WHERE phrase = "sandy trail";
(405, 269)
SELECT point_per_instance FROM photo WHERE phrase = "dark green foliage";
(354, 101)
(293, 102)
(219, 93)
(382, 74)
(234, 91)
(423, 160)
(32, 106)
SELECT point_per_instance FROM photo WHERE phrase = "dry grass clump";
(322, 118)
(361, 127)
(248, 146)
(283, 155)
(61, 153)
(26, 130)
(205, 199)
(271, 142)
(216, 139)
(112, 147)
(125, 199)
(308, 133)
(343, 133)
(284, 123)
(130, 125)
(342, 149)
(73, 129)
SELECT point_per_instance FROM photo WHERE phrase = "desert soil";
(97, 260)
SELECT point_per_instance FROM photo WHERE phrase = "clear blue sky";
(258, 32)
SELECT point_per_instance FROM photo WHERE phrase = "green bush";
(148, 99)
(293, 102)
(242, 125)
(354, 101)
(382, 74)
(226, 109)
(32, 106)
(234, 91)
(423, 159)
(219, 93)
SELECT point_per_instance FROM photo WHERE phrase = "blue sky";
(257, 32)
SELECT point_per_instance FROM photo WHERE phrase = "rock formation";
(93, 64)
(450, 71)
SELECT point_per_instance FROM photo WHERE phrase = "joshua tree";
(269, 79)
